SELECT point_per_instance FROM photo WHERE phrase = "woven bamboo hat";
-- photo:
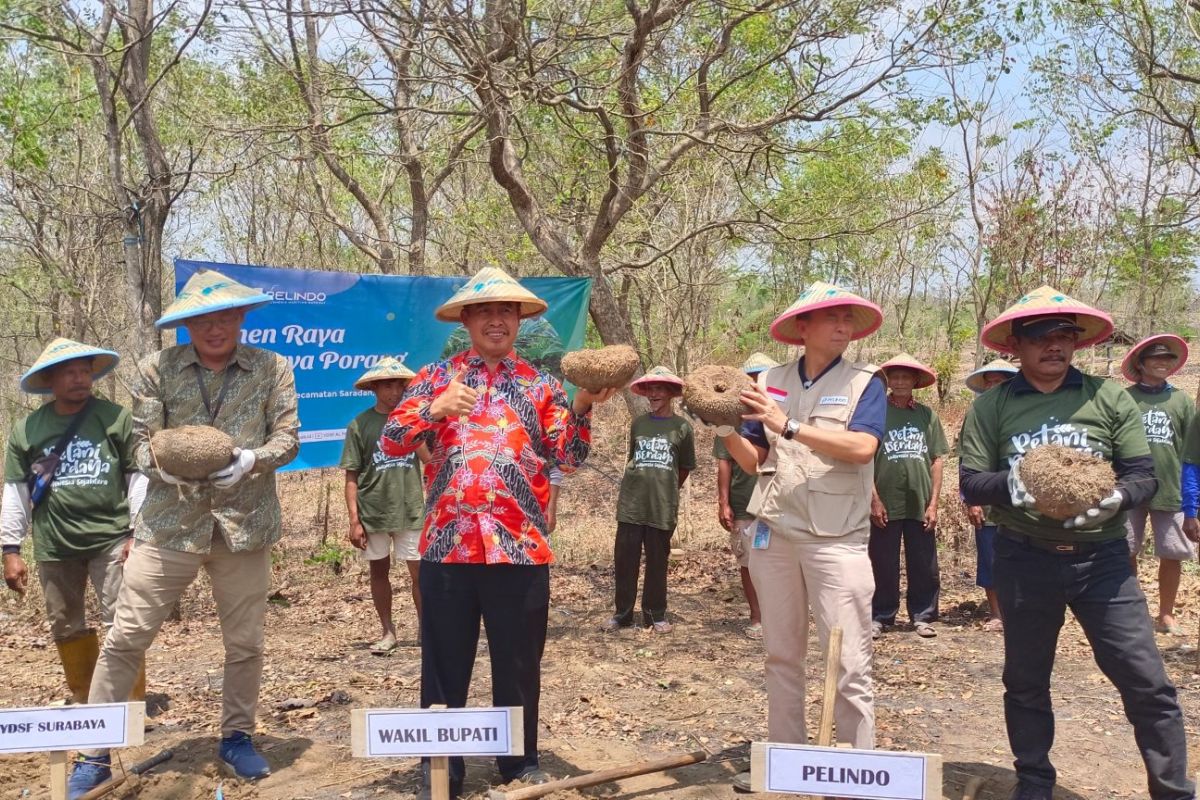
(36, 381)
(208, 291)
(657, 375)
(925, 376)
(757, 362)
(867, 316)
(385, 369)
(490, 285)
(1093, 325)
(974, 380)
(1160, 344)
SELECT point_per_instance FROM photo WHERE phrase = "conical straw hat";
(867, 316)
(1129, 366)
(657, 375)
(385, 369)
(208, 291)
(35, 380)
(925, 376)
(490, 285)
(757, 362)
(974, 380)
(1047, 301)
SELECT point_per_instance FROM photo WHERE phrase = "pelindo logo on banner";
(334, 326)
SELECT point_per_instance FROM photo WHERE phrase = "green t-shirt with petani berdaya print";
(1167, 417)
(1087, 413)
(86, 511)
(912, 439)
(659, 447)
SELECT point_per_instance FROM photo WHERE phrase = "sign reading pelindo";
(838, 772)
(29, 730)
(334, 326)
(412, 732)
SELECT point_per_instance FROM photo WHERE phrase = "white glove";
(243, 462)
(721, 430)
(1017, 493)
(1102, 512)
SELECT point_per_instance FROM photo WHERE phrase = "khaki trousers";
(833, 577)
(64, 585)
(154, 579)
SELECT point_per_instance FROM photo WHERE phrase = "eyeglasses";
(219, 319)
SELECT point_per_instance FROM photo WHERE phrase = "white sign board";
(839, 772)
(408, 732)
(29, 730)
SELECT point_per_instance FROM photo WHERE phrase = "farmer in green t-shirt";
(662, 451)
(1167, 414)
(1045, 566)
(383, 496)
(904, 501)
(81, 446)
(734, 488)
(989, 376)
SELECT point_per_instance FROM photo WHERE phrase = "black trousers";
(513, 601)
(921, 565)
(632, 540)
(1035, 588)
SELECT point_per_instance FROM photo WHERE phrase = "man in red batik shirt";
(492, 423)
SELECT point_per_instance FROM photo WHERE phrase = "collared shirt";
(258, 411)
(487, 483)
(869, 415)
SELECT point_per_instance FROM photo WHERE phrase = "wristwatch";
(790, 428)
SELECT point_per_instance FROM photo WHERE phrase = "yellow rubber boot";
(78, 657)
(138, 692)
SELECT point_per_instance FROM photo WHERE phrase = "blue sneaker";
(87, 775)
(238, 754)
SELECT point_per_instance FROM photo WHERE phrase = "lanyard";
(213, 411)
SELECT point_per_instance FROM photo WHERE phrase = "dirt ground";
(607, 699)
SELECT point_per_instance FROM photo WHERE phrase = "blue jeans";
(1035, 587)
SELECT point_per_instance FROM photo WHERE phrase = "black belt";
(1060, 548)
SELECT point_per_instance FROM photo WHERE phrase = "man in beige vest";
(812, 436)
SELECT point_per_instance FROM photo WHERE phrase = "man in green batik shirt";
(904, 501)
(734, 489)
(1167, 415)
(225, 524)
(662, 452)
(383, 496)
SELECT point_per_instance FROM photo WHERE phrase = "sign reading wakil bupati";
(29, 730)
(838, 772)
(401, 732)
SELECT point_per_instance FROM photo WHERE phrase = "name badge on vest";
(834, 400)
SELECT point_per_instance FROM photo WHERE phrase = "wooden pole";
(833, 661)
(58, 775)
(439, 772)
(600, 776)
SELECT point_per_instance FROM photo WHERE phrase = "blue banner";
(333, 326)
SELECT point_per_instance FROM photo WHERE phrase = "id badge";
(762, 536)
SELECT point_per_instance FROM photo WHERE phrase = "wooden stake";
(58, 775)
(833, 661)
(439, 773)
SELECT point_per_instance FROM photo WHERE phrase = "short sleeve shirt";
(1087, 413)
(868, 417)
(1167, 416)
(659, 447)
(912, 439)
(741, 483)
(85, 512)
(389, 487)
